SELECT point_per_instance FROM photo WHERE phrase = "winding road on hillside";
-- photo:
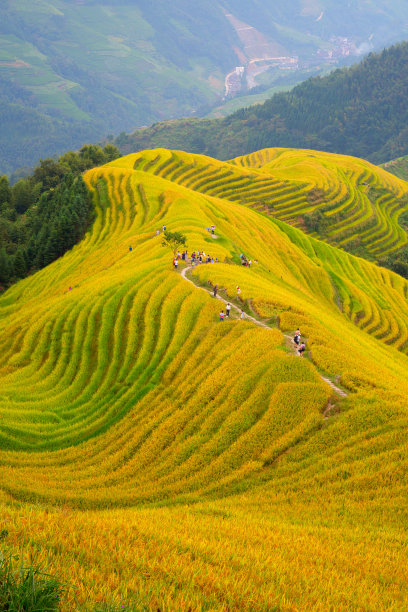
(184, 271)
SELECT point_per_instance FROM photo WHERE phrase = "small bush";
(26, 588)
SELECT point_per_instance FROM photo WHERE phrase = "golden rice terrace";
(158, 458)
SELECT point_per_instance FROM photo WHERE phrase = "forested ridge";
(44, 215)
(29, 132)
(76, 72)
(358, 111)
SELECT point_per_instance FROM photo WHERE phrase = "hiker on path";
(176, 264)
(301, 349)
(296, 338)
(215, 290)
(238, 290)
(213, 229)
(242, 315)
(227, 309)
(221, 315)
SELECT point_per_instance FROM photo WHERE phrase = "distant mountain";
(75, 71)
(360, 111)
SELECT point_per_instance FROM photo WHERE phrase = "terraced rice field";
(360, 203)
(160, 459)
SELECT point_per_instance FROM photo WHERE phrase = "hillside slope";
(398, 166)
(343, 200)
(77, 71)
(120, 387)
(355, 111)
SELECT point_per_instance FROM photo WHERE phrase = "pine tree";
(52, 248)
(4, 267)
(5, 190)
(19, 264)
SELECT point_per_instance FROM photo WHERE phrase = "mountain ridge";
(348, 112)
(89, 70)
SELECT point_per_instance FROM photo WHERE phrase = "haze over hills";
(358, 111)
(147, 444)
(76, 71)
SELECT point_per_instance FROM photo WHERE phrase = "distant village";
(243, 78)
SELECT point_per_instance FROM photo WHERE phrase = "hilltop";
(75, 72)
(344, 200)
(156, 457)
(355, 111)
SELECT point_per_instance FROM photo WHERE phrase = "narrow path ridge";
(336, 389)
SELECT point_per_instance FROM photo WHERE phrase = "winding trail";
(184, 271)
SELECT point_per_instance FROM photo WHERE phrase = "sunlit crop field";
(359, 203)
(158, 458)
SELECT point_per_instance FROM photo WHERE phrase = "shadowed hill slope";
(126, 390)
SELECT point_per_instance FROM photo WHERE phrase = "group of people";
(201, 257)
(211, 229)
(246, 262)
(226, 315)
(300, 345)
(227, 311)
(195, 258)
(163, 229)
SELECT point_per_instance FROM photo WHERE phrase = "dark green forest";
(28, 132)
(360, 111)
(45, 214)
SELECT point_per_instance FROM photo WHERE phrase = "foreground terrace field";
(159, 458)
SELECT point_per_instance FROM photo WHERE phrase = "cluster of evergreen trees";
(46, 214)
